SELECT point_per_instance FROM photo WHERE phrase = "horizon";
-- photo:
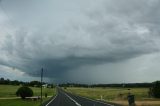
(80, 83)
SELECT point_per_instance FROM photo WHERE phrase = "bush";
(155, 90)
(24, 92)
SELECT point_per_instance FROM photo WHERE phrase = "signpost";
(131, 100)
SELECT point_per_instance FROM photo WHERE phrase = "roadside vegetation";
(18, 102)
(8, 96)
(24, 92)
(9, 91)
(108, 93)
(118, 95)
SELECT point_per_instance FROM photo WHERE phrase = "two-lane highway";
(67, 99)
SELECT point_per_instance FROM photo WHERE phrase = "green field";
(19, 102)
(110, 93)
(10, 90)
(7, 92)
(116, 95)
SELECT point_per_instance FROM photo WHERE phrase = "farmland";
(116, 95)
(8, 96)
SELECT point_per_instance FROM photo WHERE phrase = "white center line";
(73, 100)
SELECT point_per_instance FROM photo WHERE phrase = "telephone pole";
(41, 84)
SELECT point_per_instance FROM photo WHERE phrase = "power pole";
(41, 84)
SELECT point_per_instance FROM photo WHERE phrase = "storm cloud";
(81, 40)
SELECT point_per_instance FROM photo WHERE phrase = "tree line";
(38, 84)
(16, 82)
(127, 85)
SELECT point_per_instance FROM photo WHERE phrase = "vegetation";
(30, 84)
(10, 91)
(109, 93)
(155, 90)
(9, 82)
(116, 95)
(24, 92)
(8, 96)
(18, 102)
(126, 85)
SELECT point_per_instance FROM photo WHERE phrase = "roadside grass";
(19, 102)
(116, 95)
(9, 91)
(110, 93)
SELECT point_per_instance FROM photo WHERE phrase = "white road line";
(51, 100)
(95, 100)
(73, 100)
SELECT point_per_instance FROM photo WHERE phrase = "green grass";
(113, 95)
(19, 102)
(8, 91)
(110, 93)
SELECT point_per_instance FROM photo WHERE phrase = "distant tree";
(1, 79)
(24, 92)
(15, 82)
(35, 83)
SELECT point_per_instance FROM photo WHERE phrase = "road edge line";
(52, 99)
(93, 100)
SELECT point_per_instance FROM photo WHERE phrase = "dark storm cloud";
(106, 31)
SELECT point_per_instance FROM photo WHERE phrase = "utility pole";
(41, 84)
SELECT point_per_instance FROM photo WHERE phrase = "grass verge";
(7, 92)
(116, 95)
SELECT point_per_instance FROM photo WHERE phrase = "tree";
(24, 92)
(155, 90)
(35, 83)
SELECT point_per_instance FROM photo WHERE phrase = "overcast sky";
(84, 41)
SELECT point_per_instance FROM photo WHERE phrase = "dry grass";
(139, 103)
(110, 93)
(117, 95)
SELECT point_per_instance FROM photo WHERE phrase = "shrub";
(155, 90)
(24, 92)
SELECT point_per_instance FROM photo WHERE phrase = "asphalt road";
(67, 99)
